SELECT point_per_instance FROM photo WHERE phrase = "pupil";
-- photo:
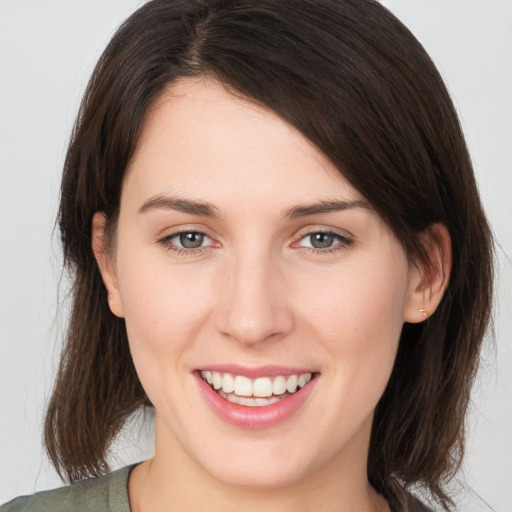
(191, 240)
(322, 240)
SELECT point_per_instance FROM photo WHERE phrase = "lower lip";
(255, 417)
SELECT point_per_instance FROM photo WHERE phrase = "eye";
(323, 241)
(320, 240)
(187, 242)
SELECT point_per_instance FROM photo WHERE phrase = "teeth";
(251, 402)
(303, 379)
(291, 383)
(266, 389)
(262, 387)
(279, 386)
(217, 380)
(228, 383)
(243, 386)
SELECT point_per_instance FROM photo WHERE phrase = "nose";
(253, 307)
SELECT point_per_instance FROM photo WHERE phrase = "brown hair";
(354, 81)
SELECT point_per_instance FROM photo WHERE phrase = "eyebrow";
(182, 205)
(204, 209)
(324, 207)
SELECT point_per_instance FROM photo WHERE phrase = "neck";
(173, 480)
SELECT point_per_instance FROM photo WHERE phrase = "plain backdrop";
(47, 51)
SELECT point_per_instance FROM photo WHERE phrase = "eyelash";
(343, 243)
(182, 251)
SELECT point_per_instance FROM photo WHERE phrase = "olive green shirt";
(108, 493)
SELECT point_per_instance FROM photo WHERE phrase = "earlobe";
(428, 281)
(105, 263)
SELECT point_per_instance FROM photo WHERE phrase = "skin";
(255, 294)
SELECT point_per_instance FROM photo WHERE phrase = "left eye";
(322, 240)
(189, 239)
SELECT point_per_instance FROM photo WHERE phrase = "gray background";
(47, 51)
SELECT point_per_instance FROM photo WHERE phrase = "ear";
(428, 281)
(105, 263)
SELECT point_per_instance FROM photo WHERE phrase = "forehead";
(198, 138)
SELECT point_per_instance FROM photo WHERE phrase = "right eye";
(189, 239)
(191, 242)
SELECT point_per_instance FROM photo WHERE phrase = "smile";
(260, 392)
(255, 398)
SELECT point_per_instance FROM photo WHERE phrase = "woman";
(277, 242)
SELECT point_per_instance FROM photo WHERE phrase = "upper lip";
(256, 371)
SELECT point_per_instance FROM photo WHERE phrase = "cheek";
(162, 307)
(358, 321)
(358, 306)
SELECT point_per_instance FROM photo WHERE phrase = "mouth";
(256, 398)
(258, 392)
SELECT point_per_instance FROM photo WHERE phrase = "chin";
(261, 466)
(261, 477)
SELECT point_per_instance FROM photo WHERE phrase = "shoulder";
(418, 506)
(403, 501)
(107, 493)
(415, 505)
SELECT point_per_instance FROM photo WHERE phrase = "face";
(244, 261)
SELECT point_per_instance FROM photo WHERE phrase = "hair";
(354, 81)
